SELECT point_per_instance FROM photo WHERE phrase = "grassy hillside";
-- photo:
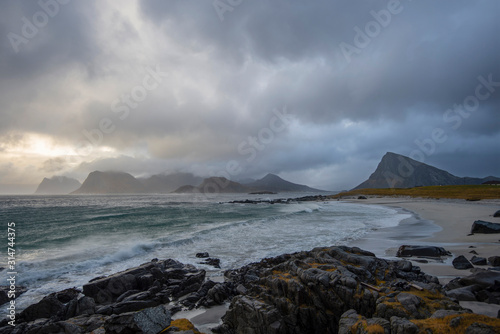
(471, 192)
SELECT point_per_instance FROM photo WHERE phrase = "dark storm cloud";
(429, 54)
(224, 77)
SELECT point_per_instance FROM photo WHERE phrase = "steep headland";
(398, 171)
(57, 185)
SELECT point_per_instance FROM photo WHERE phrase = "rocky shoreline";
(325, 290)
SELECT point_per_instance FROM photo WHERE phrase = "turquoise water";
(64, 241)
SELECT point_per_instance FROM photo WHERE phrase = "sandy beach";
(445, 223)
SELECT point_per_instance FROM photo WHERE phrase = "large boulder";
(424, 251)
(478, 261)
(494, 261)
(461, 263)
(482, 285)
(148, 321)
(481, 226)
(169, 276)
(497, 214)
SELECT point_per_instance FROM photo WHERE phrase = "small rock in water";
(212, 262)
(202, 255)
(461, 263)
(497, 214)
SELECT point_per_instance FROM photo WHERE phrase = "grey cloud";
(225, 78)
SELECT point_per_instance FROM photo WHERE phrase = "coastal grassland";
(468, 192)
(458, 324)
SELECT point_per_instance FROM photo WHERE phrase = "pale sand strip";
(455, 218)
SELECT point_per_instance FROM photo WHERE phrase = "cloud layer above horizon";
(314, 91)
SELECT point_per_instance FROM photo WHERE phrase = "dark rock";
(478, 261)
(473, 252)
(497, 214)
(402, 326)
(362, 197)
(426, 251)
(212, 262)
(308, 292)
(482, 278)
(134, 305)
(405, 266)
(494, 261)
(481, 226)
(80, 306)
(202, 255)
(48, 307)
(352, 322)
(480, 328)
(444, 313)
(4, 293)
(462, 294)
(461, 262)
(148, 321)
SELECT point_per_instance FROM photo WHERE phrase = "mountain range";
(393, 171)
(399, 171)
(99, 182)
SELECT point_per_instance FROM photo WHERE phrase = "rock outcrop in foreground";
(342, 290)
(326, 290)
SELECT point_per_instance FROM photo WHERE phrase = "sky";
(316, 92)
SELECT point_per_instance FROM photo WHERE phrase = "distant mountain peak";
(110, 182)
(57, 185)
(271, 176)
(398, 171)
(274, 183)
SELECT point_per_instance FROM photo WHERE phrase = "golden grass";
(470, 192)
(442, 325)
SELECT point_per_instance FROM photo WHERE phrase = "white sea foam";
(237, 234)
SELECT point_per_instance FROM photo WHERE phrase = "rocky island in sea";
(324, 290)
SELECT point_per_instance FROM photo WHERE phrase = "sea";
(64, 241)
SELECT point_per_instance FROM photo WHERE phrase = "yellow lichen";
(363, 324)
(375, 329)
(182, 325)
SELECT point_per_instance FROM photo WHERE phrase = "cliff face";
(110, 183)
(398, 171)
(57, 185)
